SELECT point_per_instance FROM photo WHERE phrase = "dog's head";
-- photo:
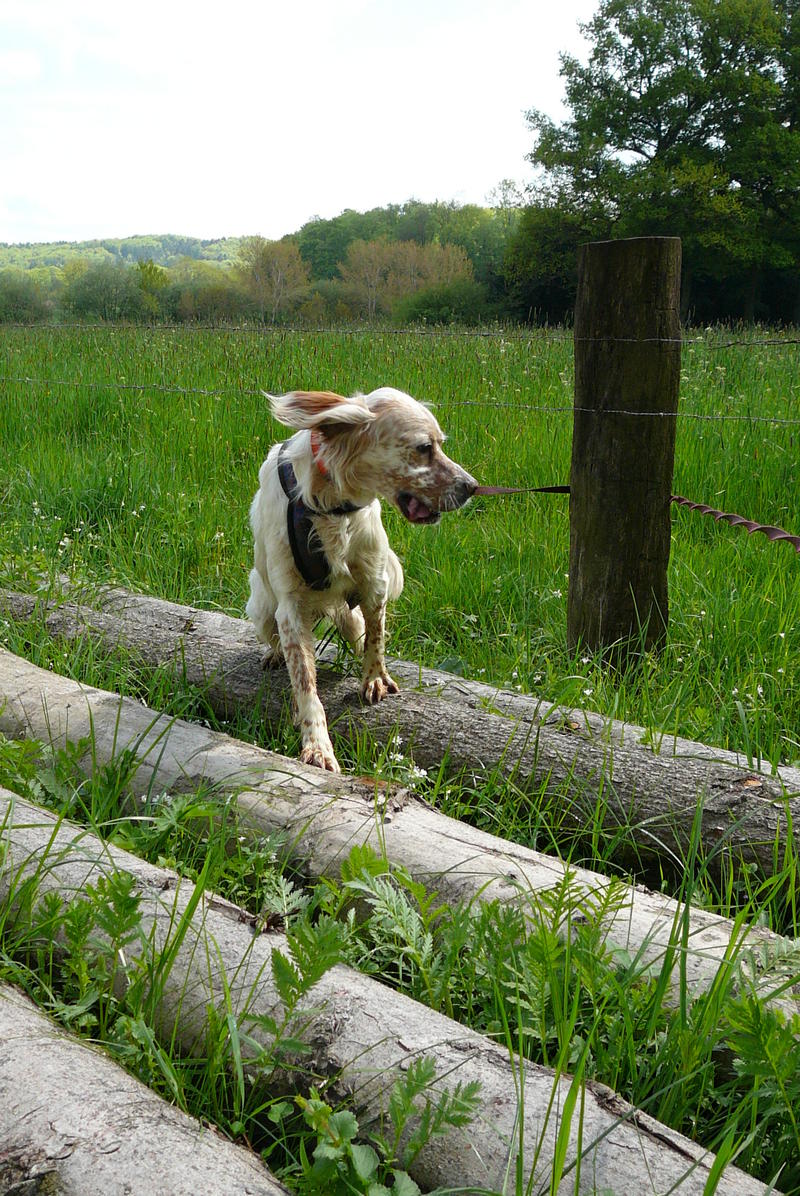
(384, 443)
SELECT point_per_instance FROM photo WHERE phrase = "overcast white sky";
(162, 116)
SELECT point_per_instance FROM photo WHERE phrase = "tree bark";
(324, 816)
(650, 783)
(73, 1121)
(627, 369)
(361, 1033)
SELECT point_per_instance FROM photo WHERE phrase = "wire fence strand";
(545, 409)
(516, 333)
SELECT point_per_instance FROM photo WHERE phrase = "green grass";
(117, 467)
(150, 488)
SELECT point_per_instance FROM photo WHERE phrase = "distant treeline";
(409, 263)
(439, 262)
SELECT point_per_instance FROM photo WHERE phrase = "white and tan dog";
(320, 545)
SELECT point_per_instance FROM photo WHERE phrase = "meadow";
(130, 456)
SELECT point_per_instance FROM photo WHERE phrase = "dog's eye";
(425, 450)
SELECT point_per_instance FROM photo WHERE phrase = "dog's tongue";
(417, 510)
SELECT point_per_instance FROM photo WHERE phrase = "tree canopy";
(684, 121)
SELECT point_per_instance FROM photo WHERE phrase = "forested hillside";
(163, 250)
(438, 262)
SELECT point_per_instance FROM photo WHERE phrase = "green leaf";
(332, 1151)
(365, 1161)
(287, 978)
(343, 1125)
(404, 1184)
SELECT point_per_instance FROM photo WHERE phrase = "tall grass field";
(130, 456)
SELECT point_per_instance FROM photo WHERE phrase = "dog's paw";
(320, 756)
(272, 659)
(375, 689)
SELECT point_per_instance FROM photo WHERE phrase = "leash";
(769, 530)
(522, 490)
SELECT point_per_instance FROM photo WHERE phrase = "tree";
(22, 300)
(152, 281)
(541, 261)
(462, 301)
(365, 270)
(273, 274)
(105, 290)
(379, 273)
(684, 122)
(204, 291)
(323, 244)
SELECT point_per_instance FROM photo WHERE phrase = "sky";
(243, 118)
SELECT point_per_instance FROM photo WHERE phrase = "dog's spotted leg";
(298, 650)
(376, 683)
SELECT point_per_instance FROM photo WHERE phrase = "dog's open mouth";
(415, 509)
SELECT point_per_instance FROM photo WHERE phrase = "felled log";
(649, 783)
(72, 1121)
(324, 816)
(359, 1032)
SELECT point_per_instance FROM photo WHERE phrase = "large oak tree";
(684, 121)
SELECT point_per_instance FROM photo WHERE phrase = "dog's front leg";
(376, 683)
(297, 643)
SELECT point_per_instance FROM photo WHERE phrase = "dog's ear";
(321, 409)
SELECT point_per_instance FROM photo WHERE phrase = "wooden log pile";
(648, 782)
(324, 816)
(360, 1033)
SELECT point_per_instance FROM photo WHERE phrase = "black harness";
(309, 557)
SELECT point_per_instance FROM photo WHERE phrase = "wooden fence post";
(627, 375)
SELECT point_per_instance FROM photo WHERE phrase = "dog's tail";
(320, 409)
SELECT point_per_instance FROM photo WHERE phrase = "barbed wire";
(439, 331)
(545, 409)
(157, 386)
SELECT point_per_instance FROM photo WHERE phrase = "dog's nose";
(465, 488)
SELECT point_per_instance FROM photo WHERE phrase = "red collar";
(317, 441)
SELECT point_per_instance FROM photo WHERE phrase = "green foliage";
(420, 1110)
(163, 250)
(92, 487)
(22, 298)
(720, 1067)
(105, 291)
(680, 126)
(538, 976)
(273, 274)
(463, 302)
(87, 961)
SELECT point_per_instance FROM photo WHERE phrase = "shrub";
(22, 300)
(463, 301)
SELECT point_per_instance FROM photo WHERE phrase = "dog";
(320, 547)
